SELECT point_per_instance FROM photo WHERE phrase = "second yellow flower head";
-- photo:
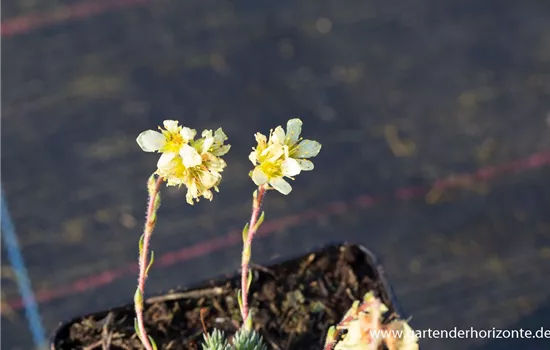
(283, 155)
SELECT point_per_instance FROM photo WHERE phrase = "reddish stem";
(150, 222)
(256, 204)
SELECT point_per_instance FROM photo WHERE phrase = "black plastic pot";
(60, 337)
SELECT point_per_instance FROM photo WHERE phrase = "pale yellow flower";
(186, 161)
(283, 155)
(365, 330)
(357, 336)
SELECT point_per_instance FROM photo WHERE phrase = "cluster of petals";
(196, 164)
(284, 154)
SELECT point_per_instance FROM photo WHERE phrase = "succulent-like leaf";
(215, 341)
(248, 340)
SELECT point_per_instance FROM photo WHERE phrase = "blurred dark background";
(436, 110)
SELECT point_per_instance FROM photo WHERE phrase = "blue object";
(22, 277)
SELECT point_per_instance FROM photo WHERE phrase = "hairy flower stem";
(150, 221)
(256, 204)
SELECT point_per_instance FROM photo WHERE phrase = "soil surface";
(293, 304)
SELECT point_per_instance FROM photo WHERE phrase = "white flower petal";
(220, 136)
(281, 185)
(192, 189)
(189, 197)
(218, 177)
(189, 156)
(290, 167)
(171, 126)
(259, 177)
(206, 133)
(188, 134)
(208, 179)
(260, 138)
(253, 157)
(215, 164)
(208, 195)
(172, 182)
(274, 151)
(151, 141)
(293, 130)
(278, 136)
(220, 151)
(165, 160)
(208, 142)
(305, 164)
(306, 149)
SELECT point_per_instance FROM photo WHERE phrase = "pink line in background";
(334, 208)
(26, 23)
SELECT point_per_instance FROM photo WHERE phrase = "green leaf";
(136, 328)
(141, 239)
(331, 331)
(240, 298)
(151, 184)
(150, 263)
(138, 298)
(249, 281)
(331, 336)
(259, 222)
(248, 322)
(157, 202)
(153, 344)
(245, 233)
(246, 254)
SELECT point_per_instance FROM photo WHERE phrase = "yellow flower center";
(271, 170)
(174, 141)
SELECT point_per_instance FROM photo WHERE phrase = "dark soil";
(293, 304)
